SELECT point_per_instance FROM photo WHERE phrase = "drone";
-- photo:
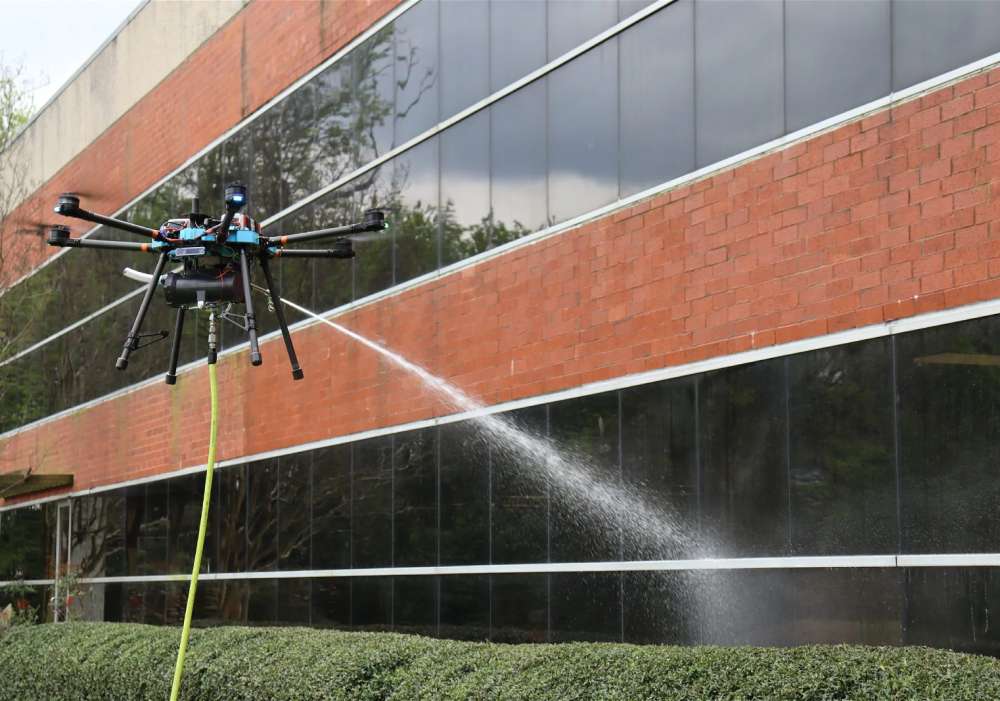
(217, 257)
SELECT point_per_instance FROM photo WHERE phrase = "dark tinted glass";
(572, 22)
(331, 530)
(26, 541)
(186, 494)
(518, 163)
(930, 37)
(413, 205)
(146, 528)
(415, 605)
(229, 515)
(341, 116)
(416, 70)
(520, 608)
(294, 603)
(331, 602)
(261, 601)
(660, 466)
(517, 40)
(465, 54)
(586, 500)
(837, 56)
(739, 74)
(415, 498)
(262, 515)
(465, 607)
(660, 608)
(842, 475)
(295, 500)
(657, 98)
(371, 524)
(372, 73)
(520, 497)
(373, 264)
(464, 211)
(371, 603)
(744, 487)
(267, 142)
(952, 608)
(586, 606)
(949, 437)
(465, 496)
(583, 132)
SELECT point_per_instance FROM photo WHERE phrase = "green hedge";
(125, 661)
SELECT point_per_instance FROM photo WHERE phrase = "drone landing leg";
(133, 336)
(280, 313)
(251, 319)
(175, 347)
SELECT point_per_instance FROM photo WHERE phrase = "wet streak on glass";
(586, 606)
(465, 607)
(520, 608)
(659, 462)
(837, 57)
(464, 210)
(518, 163)
(416, 70)
(953, 608)
(295, 511)
(572, 22)
(371, 519)
(262, 515)
(583, 132)
(842, 463)
(414, 500)
(520, 497)
(465, 496)
(585, 432)
(331, 520)
(465, 54)
(331, 602)
(412, 204)
(935, 36)
(743, 446)
(517, 40)
(657, 98)
(739, 74)
(949, 426)
(371, 603)
(415, 605)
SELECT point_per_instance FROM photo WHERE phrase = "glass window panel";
(371, 520)
(413, 212)
(583, 132)
(930, 37)
(584, 522)
(837, 56)
(415, 498)
(465, 607)
(294, 605)
(374, 91)
(518, 163)
(186, 494)
(517, 40)
(297, 162)
(842, 463)
(465, 54)
(416, 70)
(520, 497)
(520, 608)
(154, 603)
(660, 464)
(464, 212)
(262, 601)
(331, 602)
(24, 542)
(948, 382)
(267, 135)
(738, 74)
(373, 263)
(658, 608)
(175, 602)
(586, 606)
(340, 121)
(331, 532)
(113, 595)
(465, 496)
(146, 528)
(572, 22)
(744, 487)
(229, 513)
(262, 515)
(657, 98)
(371, 603)
(295, 500)
(415, 605)
(952, 608)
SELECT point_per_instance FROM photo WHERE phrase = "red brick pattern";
(888, 216)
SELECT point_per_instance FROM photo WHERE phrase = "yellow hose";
(175, 690)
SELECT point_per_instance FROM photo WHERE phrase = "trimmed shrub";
(116, 662)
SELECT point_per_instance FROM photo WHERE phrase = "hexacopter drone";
(217, 257)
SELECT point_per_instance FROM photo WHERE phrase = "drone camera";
(67, 204)
(374, 220)
(343, 248)
(58, 235)
(236, 195)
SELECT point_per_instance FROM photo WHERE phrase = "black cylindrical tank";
(182, 289)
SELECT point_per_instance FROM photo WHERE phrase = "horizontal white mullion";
(950, 560)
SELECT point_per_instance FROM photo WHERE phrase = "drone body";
(218, 257)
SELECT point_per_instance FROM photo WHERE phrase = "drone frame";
(263, 247)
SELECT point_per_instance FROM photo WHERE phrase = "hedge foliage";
(117, 662)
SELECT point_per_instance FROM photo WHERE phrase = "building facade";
(717, 277)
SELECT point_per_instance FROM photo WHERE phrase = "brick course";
(891, 215)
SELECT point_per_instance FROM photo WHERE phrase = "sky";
(53, 38)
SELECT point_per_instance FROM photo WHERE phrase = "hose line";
(175, 690)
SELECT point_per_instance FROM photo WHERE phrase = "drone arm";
(69, 207)
(313, 253)
(104, 245)
(374, 220)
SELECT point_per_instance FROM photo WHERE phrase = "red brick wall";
(891, 215)
(267, 46)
